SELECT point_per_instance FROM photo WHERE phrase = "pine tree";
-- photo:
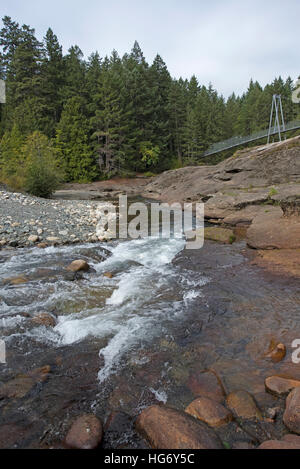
(75, 74)
(72, 142)
(53, 80)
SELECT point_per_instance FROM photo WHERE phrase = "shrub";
(42, 175)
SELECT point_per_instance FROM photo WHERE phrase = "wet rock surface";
(291, 416)
(281, 386)
(85, 433)
(167, 428)
(243, 405)
(210, 412)
(206, 384)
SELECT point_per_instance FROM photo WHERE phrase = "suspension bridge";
(238, 141)
(277, 127)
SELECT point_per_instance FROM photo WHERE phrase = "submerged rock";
(85, 433)
(243, 405)
(280, 386)
(166, 428)
(22, 384)
(206, 384)
(209, 411)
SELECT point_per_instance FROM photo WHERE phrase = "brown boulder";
(78, 266)
(166, 428)
(291, 416)
(210, 412)
(44, 319)
(242, 404)
(276, 444)
(280, 386)
(206, 384)
(85, 433)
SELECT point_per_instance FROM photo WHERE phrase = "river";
(126, 342)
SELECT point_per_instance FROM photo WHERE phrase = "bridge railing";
(241, 140)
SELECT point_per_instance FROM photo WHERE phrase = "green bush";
(42, 175)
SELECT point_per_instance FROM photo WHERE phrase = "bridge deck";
(237, 141)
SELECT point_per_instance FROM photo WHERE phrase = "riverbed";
(123, 343)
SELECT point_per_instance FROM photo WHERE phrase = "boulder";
(242, 404)
(78, 266)
(206, 384)
(221, 235)
(85, 433)
(280, 386)
(276, 444)
(209, 411)
(166, 428)
(291, 416)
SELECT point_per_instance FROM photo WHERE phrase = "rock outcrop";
(257, 189)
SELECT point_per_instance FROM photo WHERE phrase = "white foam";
(161, 396)
(135, 312)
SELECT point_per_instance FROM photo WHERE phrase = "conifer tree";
(72, 142)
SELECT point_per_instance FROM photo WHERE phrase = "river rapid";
(122, 343)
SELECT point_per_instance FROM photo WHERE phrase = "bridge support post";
(277, 118)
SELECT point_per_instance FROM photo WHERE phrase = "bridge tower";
(277, 122)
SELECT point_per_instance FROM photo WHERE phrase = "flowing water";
(135, 339)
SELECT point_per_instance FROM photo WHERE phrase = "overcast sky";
(225, 42)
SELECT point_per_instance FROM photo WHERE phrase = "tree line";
(113, 115)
